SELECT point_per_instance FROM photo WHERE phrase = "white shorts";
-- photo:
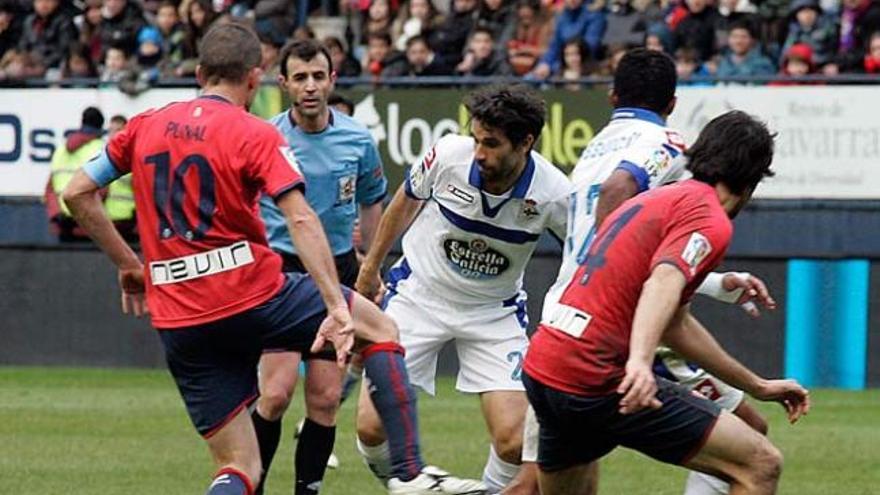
(490, 340)
(668, 365)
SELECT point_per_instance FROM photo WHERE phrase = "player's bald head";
(228, 52)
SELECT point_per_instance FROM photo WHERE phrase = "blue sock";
(395, 401)
(230, 481)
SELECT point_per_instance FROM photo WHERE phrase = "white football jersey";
(467, 246)
(636, 140)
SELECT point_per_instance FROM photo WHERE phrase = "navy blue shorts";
(215, 364)
(577, 430)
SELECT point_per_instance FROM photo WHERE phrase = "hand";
(639, 388)
(789, 393)
(753, 291)
(338, 329)
(131, 281)
(369, 284)
(542, 71)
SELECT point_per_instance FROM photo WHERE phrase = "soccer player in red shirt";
(588, 372)
(213, 287)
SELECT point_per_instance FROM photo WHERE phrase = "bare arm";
(368, 217)
(312, 247)
(617, 188)
(658, 304)
(81, 197)
(396, 219)
(693, 341)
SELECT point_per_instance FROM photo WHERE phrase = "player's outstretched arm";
(693, 341)
(741, 288)
(368, 220)
(657, 306)
(81, 197)
(396, 219)
(311, 244)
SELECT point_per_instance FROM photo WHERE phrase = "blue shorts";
(215, 364)
(577, 430)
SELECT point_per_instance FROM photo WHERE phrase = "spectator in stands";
(198, 16)
(116, 65)
(78, 63)
(377, 19)
(149, 51)
(10, 26)
(871, 62)
(858, 19)
(626, 25)
(449, 39)
(743, 56)
(421, 60)
(608, 66)
(343, 62)
(302, 33)
(341, 103)
(531, 36)
(659, 38)
(381, 59)
(797, 61)
(575, 63)
(80, 147)
(481, 58)
(47, 33)
(731, 12)
(16, 66)
(811, 27)
(173, 37)
(121, 23)
(576, 20)
(498, 17)
(688, 65)
(269, 50)
(697, 29)
(274, 16)
(417, 17)
(89, 25)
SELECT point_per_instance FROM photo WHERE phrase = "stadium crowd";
(136, 42)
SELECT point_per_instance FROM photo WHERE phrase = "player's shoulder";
(279, 119)
(452, 151)
(254, 125)
(549, 178)
(350, 126)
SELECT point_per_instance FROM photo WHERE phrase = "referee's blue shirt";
(342, 169)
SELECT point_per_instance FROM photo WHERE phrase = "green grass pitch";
(126, 432)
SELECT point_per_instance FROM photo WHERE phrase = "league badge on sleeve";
(287, 153)
(696, 250)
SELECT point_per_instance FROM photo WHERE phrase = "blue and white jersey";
(636, 140)
(470, 247)
(342, 169)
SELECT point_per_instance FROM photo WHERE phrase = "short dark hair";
(228, 51)
(383, 35)
(418, 39)
(735, 149)
(304, 50)
(119, 119)
(645, 79)
(743, 24)
(484, 30)
(516, 110)
(92, 117)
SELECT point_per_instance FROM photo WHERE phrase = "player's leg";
(236, 455)
(577, 480)
(504, 412)
(322, 393)
(278, 374)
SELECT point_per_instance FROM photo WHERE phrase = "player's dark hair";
(119, 119)
(92, 117)
(228, 52)
(734, 149)
(337, 99)
(304, 50)
(645, 79)
(516, 110)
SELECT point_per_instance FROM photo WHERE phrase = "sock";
(377, 458)
(498, 473)
(312, 450)
(704, 484)
(268, 436)
(395, 401)
(230, 481)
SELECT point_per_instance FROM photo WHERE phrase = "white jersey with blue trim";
(469, 247)
(637, 141)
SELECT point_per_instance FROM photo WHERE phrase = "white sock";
(498, 473)
(705, 484)
(377, 458)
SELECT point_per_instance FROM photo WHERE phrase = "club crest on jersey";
(346, 189)
(529, 208)
(696, 250)
(474, 258)
(288, 155)
(659, 160)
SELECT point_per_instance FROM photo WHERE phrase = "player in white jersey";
(478, 206)
(633, 153)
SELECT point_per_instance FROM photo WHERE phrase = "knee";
(322, 404)
(369, 429)
(508, 444)
(766, 465)
(273, 402)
